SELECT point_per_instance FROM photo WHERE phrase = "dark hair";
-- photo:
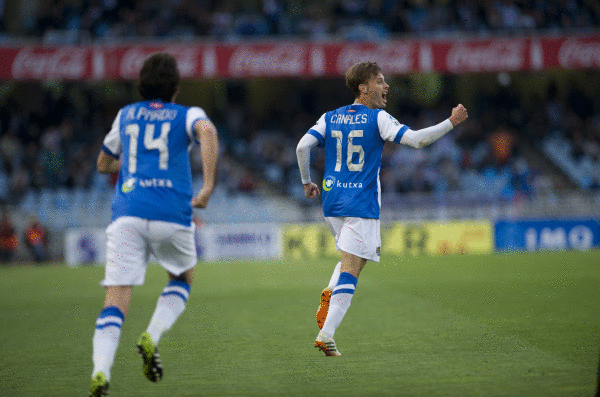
(360, 73)
(159, 77)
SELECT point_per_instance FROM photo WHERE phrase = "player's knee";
(186, 277)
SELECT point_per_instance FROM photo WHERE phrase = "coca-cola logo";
(396, 58)
(276, 60)
(495, 56)
(573, 53)
(44, 63)
(134, 58)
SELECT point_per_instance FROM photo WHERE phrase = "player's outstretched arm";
(425, 136)
(206, 132)
(107, 163)
(303, 155)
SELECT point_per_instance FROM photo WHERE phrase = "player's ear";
(175, 94)
(362, 88)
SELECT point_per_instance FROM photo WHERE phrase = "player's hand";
(311, 190)
(201, 199)
(459, 114)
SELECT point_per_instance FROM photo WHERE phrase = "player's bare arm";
(107, 164)
(206, 132)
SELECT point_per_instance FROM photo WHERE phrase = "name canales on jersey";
(349, 119)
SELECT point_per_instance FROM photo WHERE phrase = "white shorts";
(131, 240)
(357, 236)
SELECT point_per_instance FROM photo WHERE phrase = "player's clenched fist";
(311, 190)
(459, 114)
(201, 199)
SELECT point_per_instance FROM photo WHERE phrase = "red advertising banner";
(571, 53)
(282, 59)
(477, 56)
(304, 59)
(125, 62)
(394, 57)
(41, 63)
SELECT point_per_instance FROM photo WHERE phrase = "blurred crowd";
(75, 20)
(52, 134)
(575, 126)
(494, 155)
(491, 156)
(34, 238)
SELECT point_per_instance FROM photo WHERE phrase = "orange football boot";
(323, 306)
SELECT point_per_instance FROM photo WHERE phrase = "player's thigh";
(126, 252)
(173, 246)
(361, 237)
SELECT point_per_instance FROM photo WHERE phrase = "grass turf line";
(481, 325)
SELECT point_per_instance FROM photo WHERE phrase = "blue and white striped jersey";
(353, 137)
(153, 139)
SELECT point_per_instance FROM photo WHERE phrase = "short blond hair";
(360, 73)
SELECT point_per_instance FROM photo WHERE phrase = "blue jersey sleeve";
(318, 130)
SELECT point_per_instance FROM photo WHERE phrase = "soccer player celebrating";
(353, 137)
(151, 210)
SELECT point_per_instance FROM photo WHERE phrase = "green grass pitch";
(481, 325)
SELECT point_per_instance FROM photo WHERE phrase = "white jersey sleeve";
(390, 129)
(112, 140)
(303, 155)
(194, 114)
(426, 136)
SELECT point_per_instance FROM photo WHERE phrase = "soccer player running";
(148, 145)
(353, 137)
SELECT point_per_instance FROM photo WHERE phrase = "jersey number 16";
(352, 148)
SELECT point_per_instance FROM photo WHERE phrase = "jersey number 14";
(352, 148)
(151, 143)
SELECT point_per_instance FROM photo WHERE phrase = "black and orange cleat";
(323, 306)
